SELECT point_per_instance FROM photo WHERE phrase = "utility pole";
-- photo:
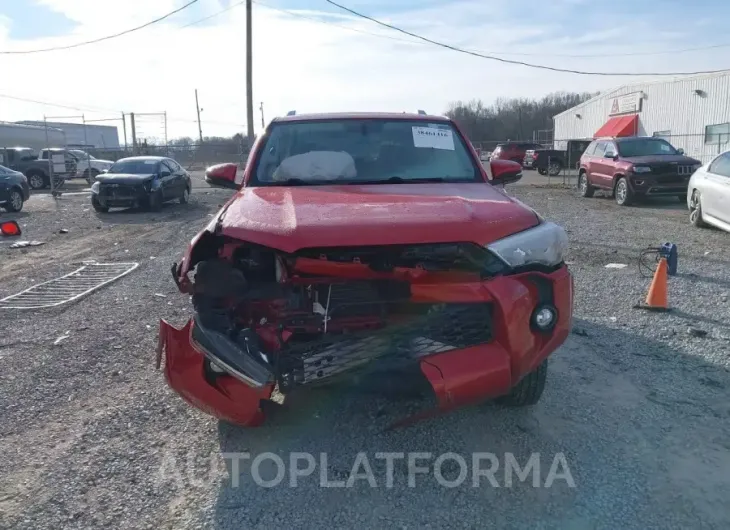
(134, 134)
(197, 108)
(249, 71)
(124, 128)
(263, 123)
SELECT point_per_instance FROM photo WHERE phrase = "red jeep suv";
(367, 244)
(635, 167)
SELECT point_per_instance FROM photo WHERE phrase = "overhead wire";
(499, 52)
(100, 39)
(512, 61)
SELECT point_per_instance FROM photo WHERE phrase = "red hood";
(292, 218)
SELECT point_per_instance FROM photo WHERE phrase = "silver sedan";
(708, 194)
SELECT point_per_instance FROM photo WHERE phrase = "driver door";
(167, 181)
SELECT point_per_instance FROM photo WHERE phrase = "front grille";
(118, 190)
(439, 328)
(672, 169)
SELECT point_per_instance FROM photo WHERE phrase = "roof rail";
(291, 113)
(422, 112)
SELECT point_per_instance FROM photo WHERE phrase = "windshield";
(646, 147)
(354, 151)
(135, 167)
(81, 155)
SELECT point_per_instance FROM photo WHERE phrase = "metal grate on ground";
(73, 286)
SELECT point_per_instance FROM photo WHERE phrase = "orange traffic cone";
(656, 298)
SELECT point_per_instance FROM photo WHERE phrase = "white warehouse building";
(691, 112)
(83, 136)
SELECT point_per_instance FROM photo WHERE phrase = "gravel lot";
(636, 402)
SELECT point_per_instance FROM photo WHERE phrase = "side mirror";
(164, 174)
(610, 154)
(222, 176)
(10, 228)
(105, 171)
(680, 151)
(505, 171)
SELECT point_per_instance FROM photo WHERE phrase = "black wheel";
(90, 175)
(529, 390)
(155, 201)
(15, 201)
(695, 211)
(97, 205)
(554, 169)
(622, 193)
(185, 197)
(37, 180)
(542, 171)
(584, 187)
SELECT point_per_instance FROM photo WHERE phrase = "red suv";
(635, 167)
(514, 151)
(368, 244)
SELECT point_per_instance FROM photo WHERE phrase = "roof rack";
(291, 113)
(422, 112)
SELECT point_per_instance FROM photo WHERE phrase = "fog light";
(545, 317)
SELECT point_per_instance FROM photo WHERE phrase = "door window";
(721, 165)
(600, 149)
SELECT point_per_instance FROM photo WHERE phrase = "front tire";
(155, 201)
(90, 176)
(622, 193)
(695, 209)
(15, 201)
(36, 180)
(528, 391)
(554, 169)
(97, 205)
(584, 187)
(185, 197)
(542, 171)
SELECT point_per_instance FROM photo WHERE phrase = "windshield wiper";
(396, 180)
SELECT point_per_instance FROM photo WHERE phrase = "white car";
(87, 166)
(708, 194)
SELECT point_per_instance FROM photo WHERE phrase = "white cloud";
(298, 64)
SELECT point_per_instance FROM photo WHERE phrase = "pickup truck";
(38, 172)
(87, 167)
(553, 161)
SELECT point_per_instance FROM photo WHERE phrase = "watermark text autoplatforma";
(380, 469)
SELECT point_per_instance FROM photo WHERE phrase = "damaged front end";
(267, 320)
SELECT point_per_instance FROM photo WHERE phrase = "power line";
(213, 15)
(499, 52)
(328, 23)
(108, 37)
(511, 61)
(58, 105)
(102, 109)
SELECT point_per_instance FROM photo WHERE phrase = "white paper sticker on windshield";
(433, 138)
(150, 162)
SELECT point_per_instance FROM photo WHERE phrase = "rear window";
(363, 151)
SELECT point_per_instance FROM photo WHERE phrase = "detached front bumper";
(458, 376)
(123, 197)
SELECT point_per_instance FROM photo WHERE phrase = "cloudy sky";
(310, 56)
